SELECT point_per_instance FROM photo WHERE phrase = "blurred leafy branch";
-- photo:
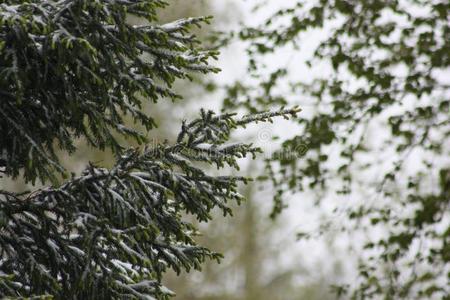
(381, 107)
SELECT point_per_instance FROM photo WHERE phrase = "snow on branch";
(116, 231)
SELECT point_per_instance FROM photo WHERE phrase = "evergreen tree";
(73, 69)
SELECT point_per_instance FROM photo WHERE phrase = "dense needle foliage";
(74, 68)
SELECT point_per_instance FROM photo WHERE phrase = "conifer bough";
(72, 69)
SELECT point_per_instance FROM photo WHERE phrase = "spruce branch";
(115, 232)
(74, 68)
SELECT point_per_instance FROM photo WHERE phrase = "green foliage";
(73, 69)
(113, 233)
(387, 61)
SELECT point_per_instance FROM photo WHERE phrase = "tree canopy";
(73, 69)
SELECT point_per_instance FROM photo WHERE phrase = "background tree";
(72, 69)
(376, 107)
